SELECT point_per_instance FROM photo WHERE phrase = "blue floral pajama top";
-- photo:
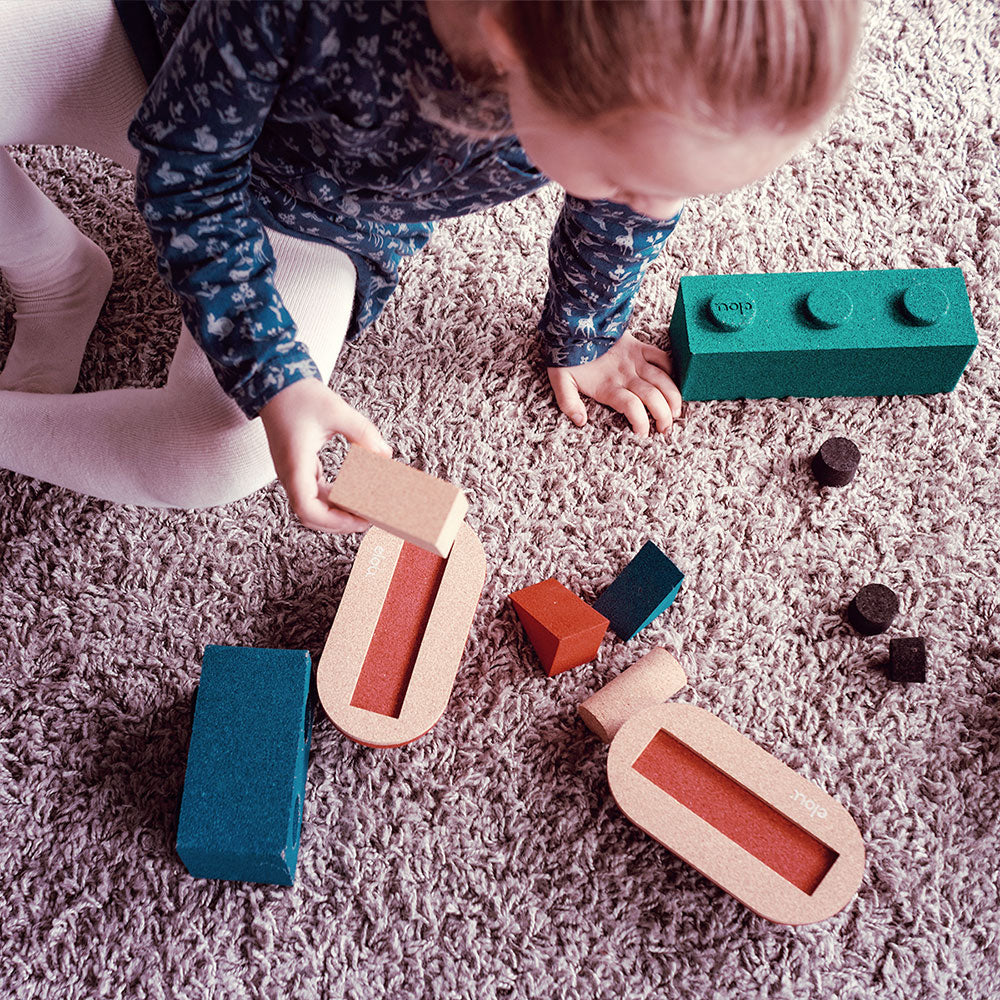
(300, 116)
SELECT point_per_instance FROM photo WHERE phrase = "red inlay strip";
(385, 674)
(738, 814)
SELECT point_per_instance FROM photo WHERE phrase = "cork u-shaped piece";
(392, 655)
(753, 826)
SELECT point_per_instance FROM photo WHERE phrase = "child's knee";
(202, 468)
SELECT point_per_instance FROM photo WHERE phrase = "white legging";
(68, 75)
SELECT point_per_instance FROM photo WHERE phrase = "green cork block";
(818, 334)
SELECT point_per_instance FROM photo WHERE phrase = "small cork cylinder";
(836, 462)
(873, 609)
(652, 679)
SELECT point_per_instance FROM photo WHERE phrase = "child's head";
(648, 102)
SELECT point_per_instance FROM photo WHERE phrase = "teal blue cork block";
(640, 593)
(818, 334)
(241, 810)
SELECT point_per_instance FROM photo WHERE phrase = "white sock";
(183, 445)
(60, 280)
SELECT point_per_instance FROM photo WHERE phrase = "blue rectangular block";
(641, 592)
(241, 811)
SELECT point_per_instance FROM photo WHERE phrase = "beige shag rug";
(488, 859)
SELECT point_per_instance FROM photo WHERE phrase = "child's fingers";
(634, 410)
(657, 357)
(304, 486)
(665, 386)
(320, 516)
(662, 368)
(656, 402)
(357, 428)
(568, 396)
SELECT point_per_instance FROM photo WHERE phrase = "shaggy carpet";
(488, 859)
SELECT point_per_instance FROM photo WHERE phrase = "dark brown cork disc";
(873, 610)
(836, 462)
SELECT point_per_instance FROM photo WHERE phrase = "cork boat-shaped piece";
(393, 653)
(756, 828)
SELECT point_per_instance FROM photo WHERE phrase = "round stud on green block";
(925, 303)
(829, 307)
(733, 310)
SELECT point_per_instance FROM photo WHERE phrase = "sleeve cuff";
(569, 348)
(273, 375)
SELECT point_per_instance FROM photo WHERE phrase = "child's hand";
(632, 378)
(299, 421)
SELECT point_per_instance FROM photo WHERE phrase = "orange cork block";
(564, 630)
(418, 507)
(764, 834)
(393, 652)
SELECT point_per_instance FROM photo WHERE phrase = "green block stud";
(818, 334)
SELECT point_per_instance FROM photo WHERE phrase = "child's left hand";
(298, 421)
(632, 378)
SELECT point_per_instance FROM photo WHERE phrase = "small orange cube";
(564, 630)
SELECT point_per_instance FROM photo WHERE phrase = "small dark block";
(908, 660)
(873, 610)
(641, 592)
(836, 462)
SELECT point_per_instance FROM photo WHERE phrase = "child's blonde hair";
(726, 66)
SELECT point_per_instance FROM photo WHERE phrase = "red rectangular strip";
(385, 674)
(738, 814)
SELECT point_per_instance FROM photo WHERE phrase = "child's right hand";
(631, 377)
(299, 421)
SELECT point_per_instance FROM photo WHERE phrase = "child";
(291, 154)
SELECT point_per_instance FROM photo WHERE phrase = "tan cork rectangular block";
(417, 507)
